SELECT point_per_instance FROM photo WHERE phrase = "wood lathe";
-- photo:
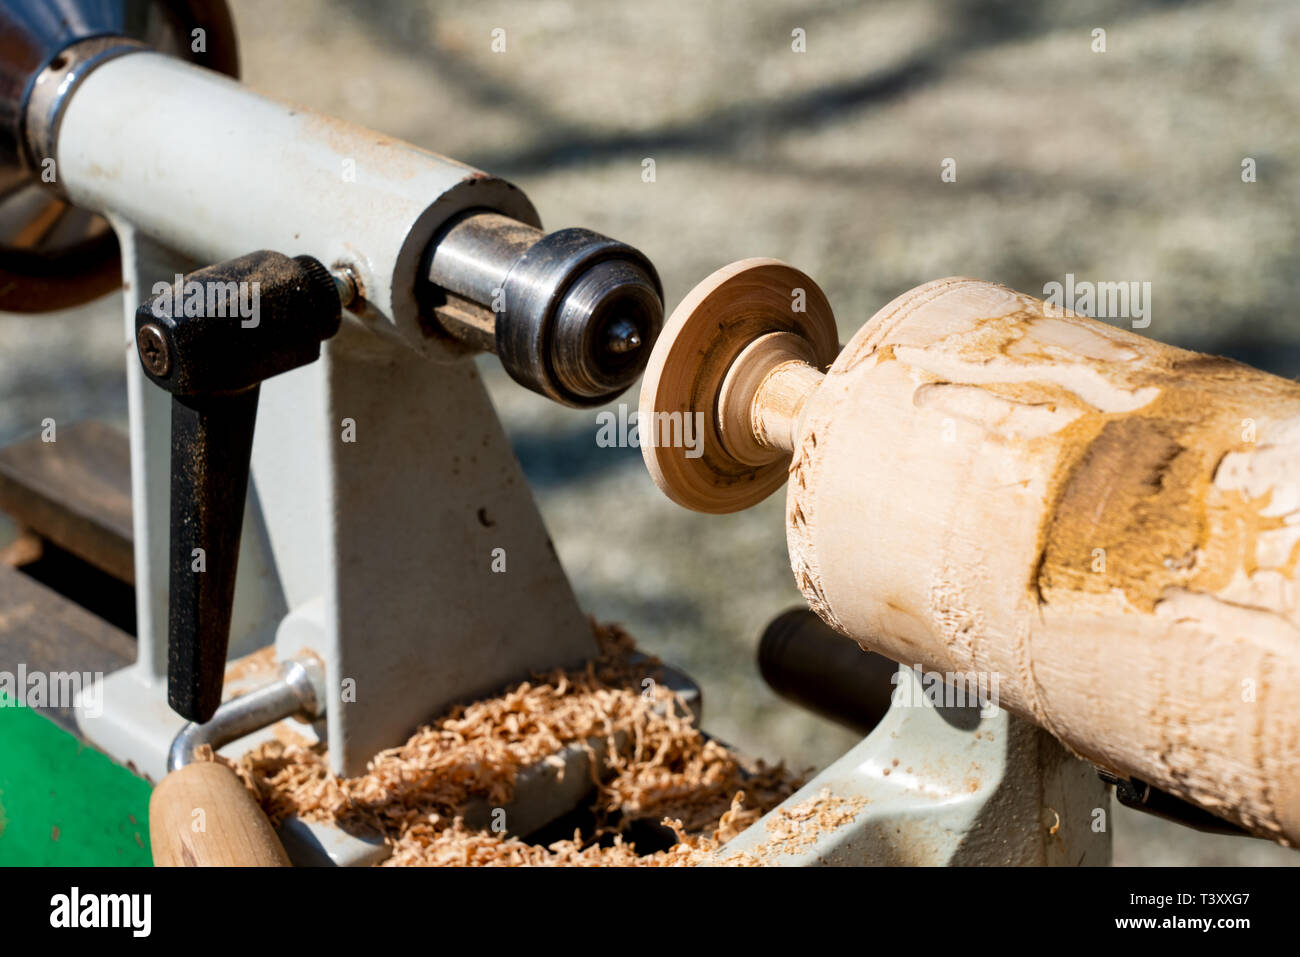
(979, 483)
(1078, 544)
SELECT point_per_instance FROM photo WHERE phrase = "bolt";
(152, 346)
(346, 284)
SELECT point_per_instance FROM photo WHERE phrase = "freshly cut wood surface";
(1108, 525)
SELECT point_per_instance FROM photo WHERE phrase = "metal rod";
(475, 254)
(294, 692)
(809, 664)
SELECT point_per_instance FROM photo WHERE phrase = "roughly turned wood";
(75, 492)
(1108, 525)
(202, 816)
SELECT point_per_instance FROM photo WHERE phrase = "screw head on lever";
(235, 324)
(154, 353)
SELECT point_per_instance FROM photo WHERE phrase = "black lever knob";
(210, 340)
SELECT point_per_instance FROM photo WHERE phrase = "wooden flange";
(704, 456)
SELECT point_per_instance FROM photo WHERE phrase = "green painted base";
(63, 803)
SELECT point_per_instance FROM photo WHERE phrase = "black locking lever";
(210, 340)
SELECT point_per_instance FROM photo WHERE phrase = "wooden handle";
(202, 816)
(990, 488)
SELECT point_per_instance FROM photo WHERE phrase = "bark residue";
(1136, 493)
(1136, 506)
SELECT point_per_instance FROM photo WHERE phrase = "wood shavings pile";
(415, 796)
(794, 829)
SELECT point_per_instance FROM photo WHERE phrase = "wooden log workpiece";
(1106, 525)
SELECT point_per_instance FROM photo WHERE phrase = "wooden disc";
(678, 416)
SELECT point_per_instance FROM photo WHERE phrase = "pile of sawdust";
(415, 795)
(794, 829)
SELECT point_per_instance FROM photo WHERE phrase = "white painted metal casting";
(382, 480)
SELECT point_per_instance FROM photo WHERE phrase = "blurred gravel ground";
(1123, 165)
